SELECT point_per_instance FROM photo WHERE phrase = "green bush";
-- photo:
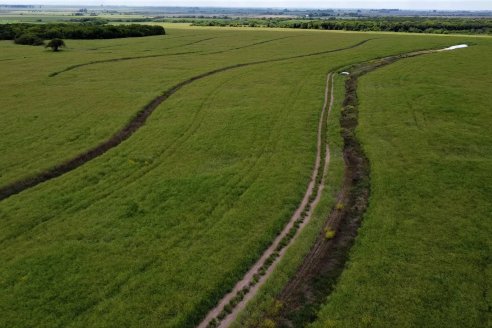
(29, 39)
(34, 34)
(55, 44)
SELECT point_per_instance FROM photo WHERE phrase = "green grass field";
(156, 230)
(422, 258)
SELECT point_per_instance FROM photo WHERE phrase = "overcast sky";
(413, 4)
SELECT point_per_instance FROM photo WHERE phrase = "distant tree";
(55, 44)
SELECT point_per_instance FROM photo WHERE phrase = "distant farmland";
(142, 178)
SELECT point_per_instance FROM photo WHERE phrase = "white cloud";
(415, 4)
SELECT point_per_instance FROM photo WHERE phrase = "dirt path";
(311, 199)
(132, 126)
(316, 277)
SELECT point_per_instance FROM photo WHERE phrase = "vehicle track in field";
(133, 125)
(70, 68)
(166, 37)
(316, 277)
(73, 67)
(249, 45)
(309, 202)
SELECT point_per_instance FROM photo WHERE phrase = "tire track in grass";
(316, 277)
(166, 37)
(73, 67)
(132, 126)
(250, 45)
(102, 194)
(232, 303)
(356, 199)
(70, 68)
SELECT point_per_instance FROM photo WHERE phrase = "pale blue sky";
(415, 4)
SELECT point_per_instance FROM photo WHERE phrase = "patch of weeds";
(329, 233)
(340, 206)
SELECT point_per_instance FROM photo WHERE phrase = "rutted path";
(249, 285)
(132, 126)
(317, 275)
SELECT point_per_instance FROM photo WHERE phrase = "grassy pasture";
(422, 258)
(104, 96)
(156, 230)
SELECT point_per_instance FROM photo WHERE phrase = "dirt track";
(133, 125)
(317, 275)
(308, 204)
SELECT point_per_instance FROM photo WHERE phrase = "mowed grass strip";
(422, 258)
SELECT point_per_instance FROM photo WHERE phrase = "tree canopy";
(55, 44)
(84, 30)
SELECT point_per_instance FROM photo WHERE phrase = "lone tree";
(55, 44)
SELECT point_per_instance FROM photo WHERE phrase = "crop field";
(155, 229)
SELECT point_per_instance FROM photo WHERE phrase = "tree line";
(387, 24)
(35, 34)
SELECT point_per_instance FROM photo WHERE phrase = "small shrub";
(268, 323)
(256, 278)
(274, 309)
(233, 302)
(329, 234)
(228, 308)
(213, 323)
(29, 39)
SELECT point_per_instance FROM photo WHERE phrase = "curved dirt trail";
(132, 126)
(318, 274)
(308, 204)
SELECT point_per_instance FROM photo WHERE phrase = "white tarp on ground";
(458, 46)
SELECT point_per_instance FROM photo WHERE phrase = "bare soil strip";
(232, 303)
(316, 277)
(133, 125)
